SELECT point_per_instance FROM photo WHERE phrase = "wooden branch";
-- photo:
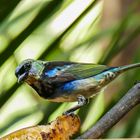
(126, 103)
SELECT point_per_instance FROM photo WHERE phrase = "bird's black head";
(29, 70)
(23, 69)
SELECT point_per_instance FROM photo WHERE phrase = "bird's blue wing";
(59, 72)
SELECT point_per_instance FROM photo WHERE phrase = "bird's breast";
(43, 88)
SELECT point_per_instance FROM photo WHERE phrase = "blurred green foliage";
(65, 30)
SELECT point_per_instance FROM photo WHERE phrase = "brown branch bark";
(126, 103)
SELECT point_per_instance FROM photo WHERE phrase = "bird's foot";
(81, 102)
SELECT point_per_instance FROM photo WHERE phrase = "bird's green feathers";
(82, 70)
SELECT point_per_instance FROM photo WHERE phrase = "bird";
(65, 81)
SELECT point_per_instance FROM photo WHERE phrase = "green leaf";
(49, 8)
(16, 117)
(6, 8)
(56, 42)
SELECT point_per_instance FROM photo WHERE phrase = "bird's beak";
(22, 77)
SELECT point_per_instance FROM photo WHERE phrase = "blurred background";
(96, 31)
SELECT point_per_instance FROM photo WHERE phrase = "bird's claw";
(81, 102)
(68, 113)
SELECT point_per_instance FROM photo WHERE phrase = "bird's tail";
(127, 67)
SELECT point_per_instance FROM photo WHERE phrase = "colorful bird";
(60, 81)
